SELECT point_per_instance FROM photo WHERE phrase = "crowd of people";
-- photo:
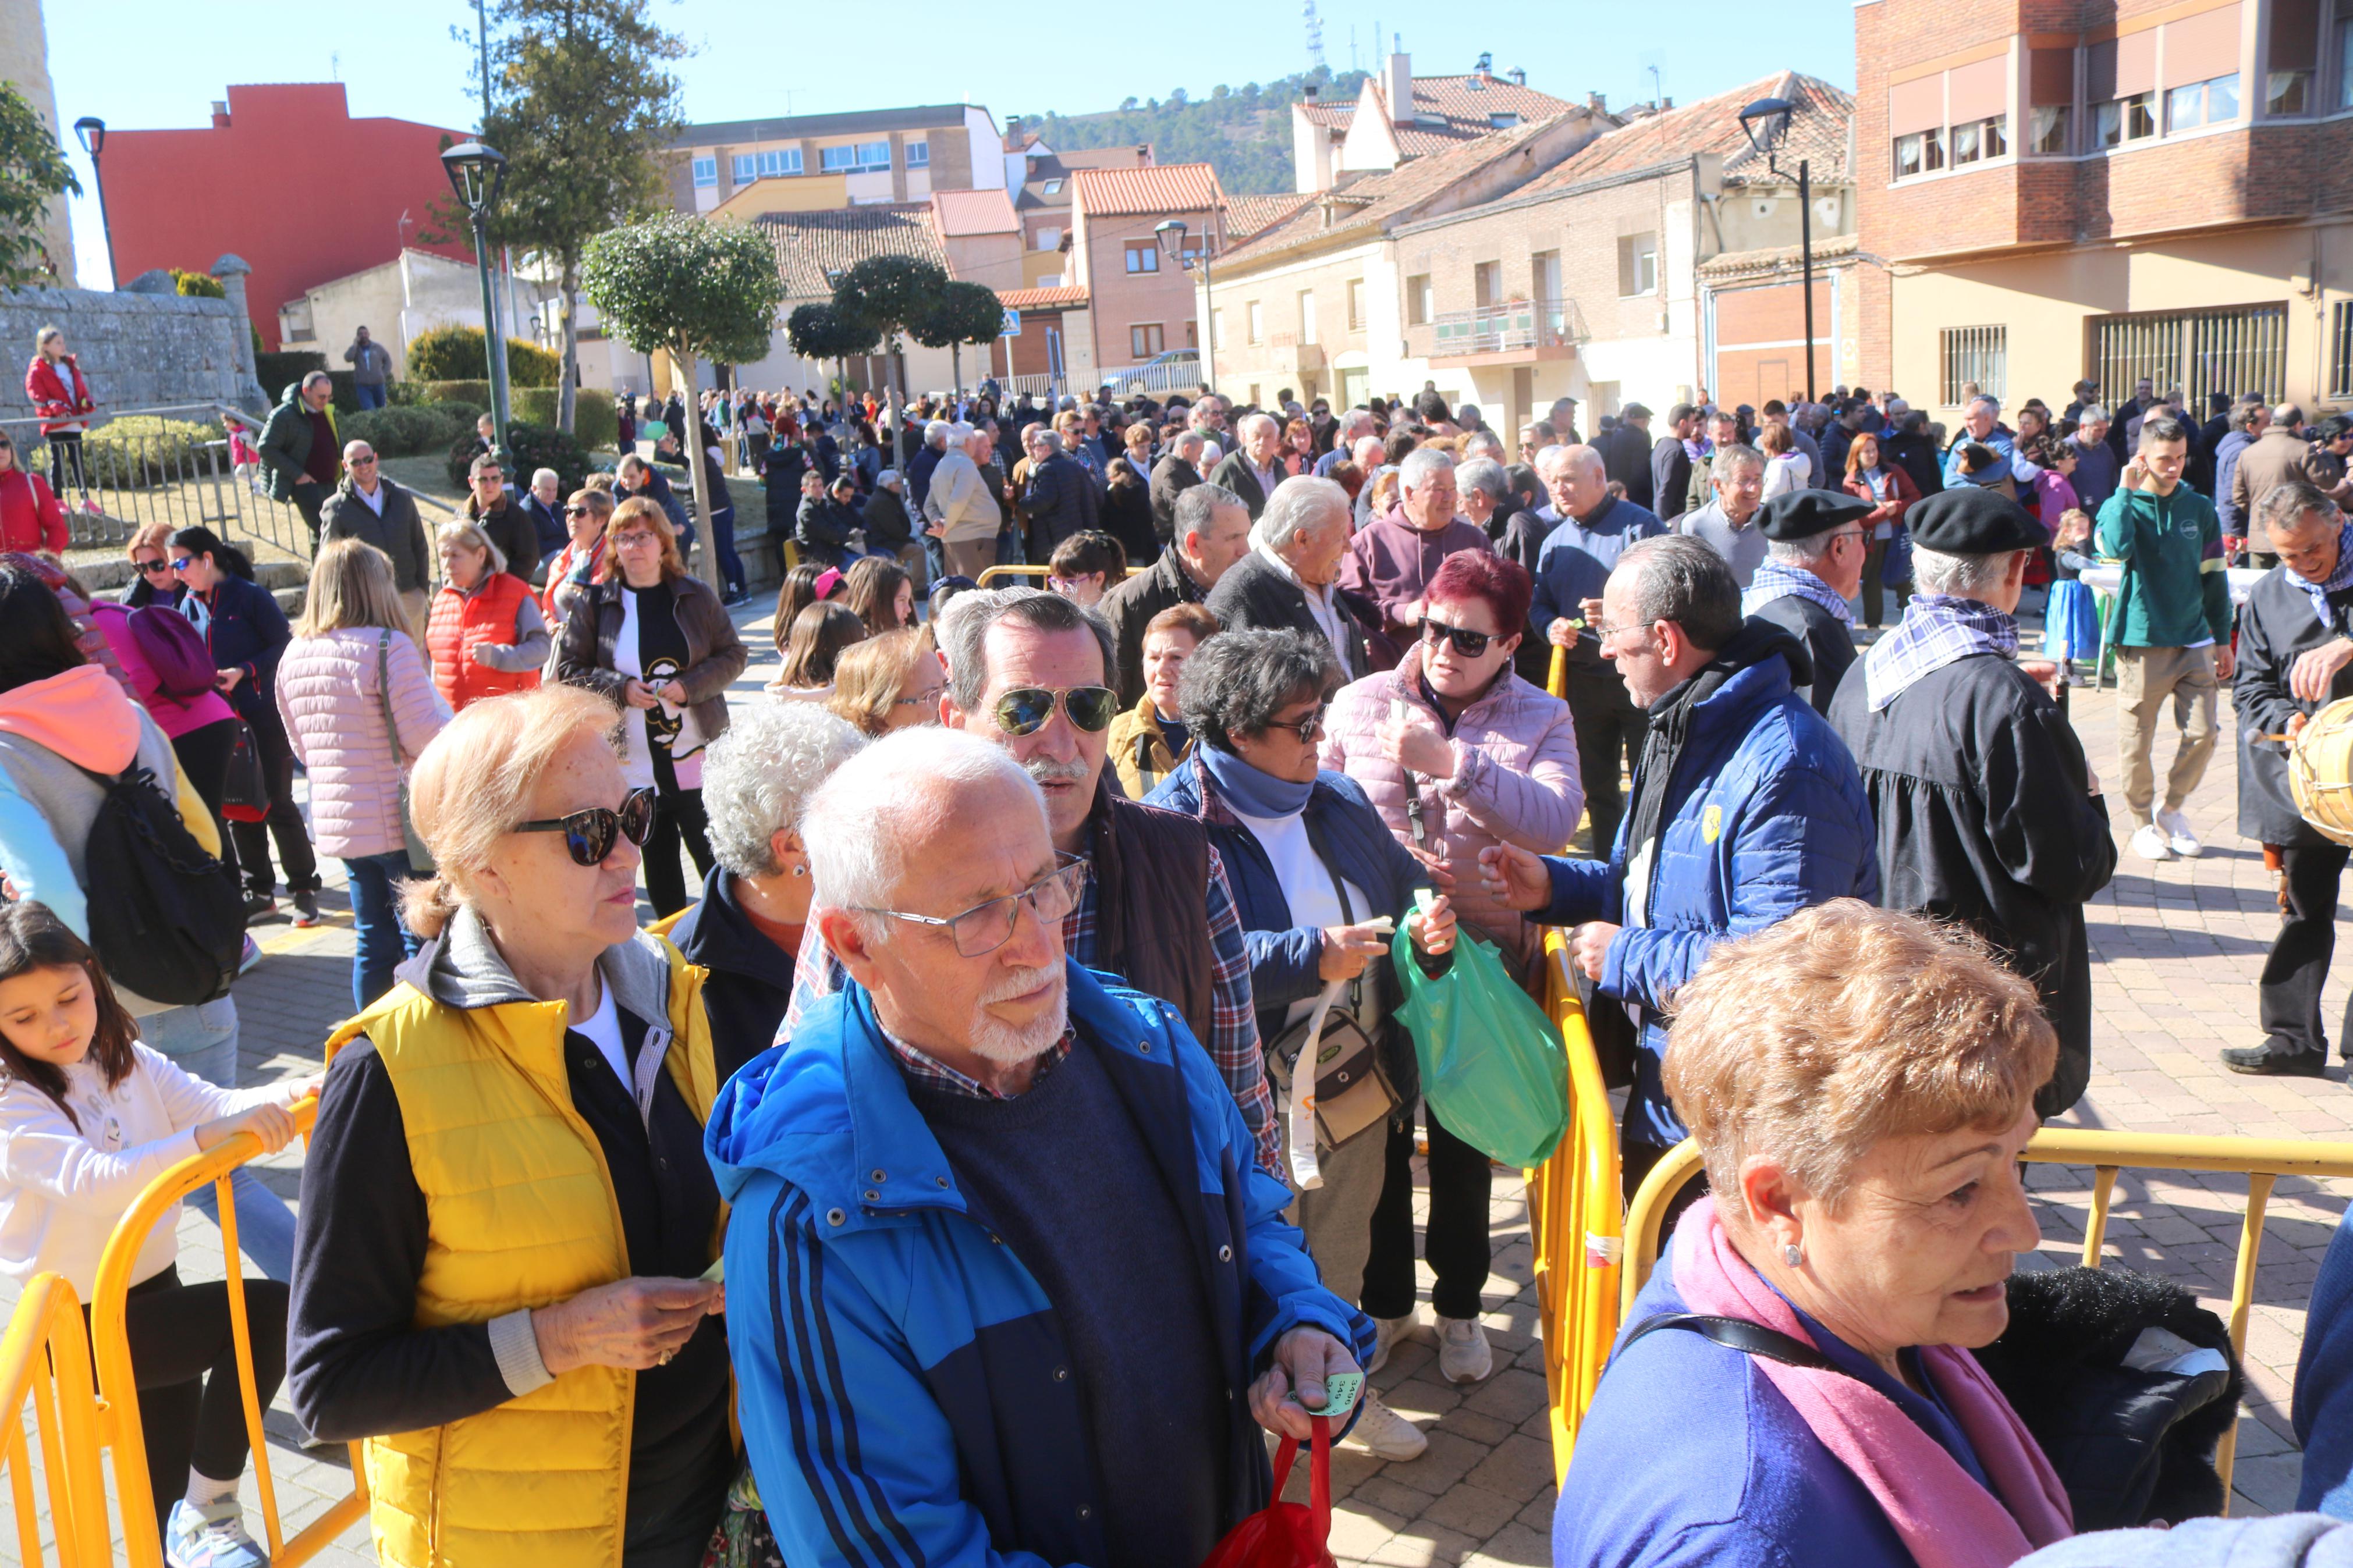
(1031, 1061)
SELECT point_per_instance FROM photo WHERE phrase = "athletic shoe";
(1391, 1331)
(1383, 1433)
(2270, 1060)
(251, 956)
(306, 909)
(2152, 843)
(93, 507)
(2177, 833)
(211, 1536)
(259, 907)
(1463, 1354)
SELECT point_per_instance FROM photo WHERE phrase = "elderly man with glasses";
(298, 448)
(1816, 542)
(373, 510)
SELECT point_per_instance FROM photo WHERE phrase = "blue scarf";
(1937, 630)
(2338, 580)
(1251, 792)
(1777, 580)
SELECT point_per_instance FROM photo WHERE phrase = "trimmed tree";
(819, 330)
(961, 313)
(33, 173)
(695, 288)
(893, 293)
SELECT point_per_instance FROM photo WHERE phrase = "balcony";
(1518, 332)
(1282, 354)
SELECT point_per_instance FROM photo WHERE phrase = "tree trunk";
(689, 441)
(955, 362)
(567, 378)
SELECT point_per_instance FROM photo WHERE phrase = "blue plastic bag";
(1491, 1064)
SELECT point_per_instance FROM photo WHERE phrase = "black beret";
(1801, 514)
(1969, 520)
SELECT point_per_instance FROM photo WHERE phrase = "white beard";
(1008, 1046)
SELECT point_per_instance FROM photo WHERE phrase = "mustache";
(1045, 770)
(1021, 982)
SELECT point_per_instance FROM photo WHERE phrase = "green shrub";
(477, 392)
(397, 432)
(595, 422)
(140, 450)
(275, 370)
(455, 353)
(405, 394)
(450, 420)
(197, 284)
(534, 446)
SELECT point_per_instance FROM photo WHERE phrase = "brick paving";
(2175, 947)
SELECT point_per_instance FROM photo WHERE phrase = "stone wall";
(136, 350)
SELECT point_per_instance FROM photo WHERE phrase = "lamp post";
(1171, 234)
(476, 172)
(1767, 123)
(92, 131)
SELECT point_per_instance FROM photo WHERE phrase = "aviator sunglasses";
(1025, 709)
(589, 834)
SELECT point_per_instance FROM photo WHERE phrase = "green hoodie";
(2176, 591)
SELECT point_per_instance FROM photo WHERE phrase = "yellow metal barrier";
(2262, 1161)
(45, 1357)
(1556, 683)
(1575, 1216)
(118, 1402)
(995, 576)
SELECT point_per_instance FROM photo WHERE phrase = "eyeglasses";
(1853, 535)
(1025, 709)
(491, 476)
(1467, 643)
(366, 462)
(589, 835)
(577, 510)
(986, 927)
(1604, 632)
(147, 568)
(1306, 728)
(184, 562)
(633, 536)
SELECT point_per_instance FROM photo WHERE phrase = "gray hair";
(1992, 403)
(1958, 577)
(1188, 444)
(2091, 414)
(1478, 445)
(1354, 423)
(2286, 505)
(467, 531)
(1237, 681)
(880, 807)
(1485, 475)
(965, 637)
(1299, 505)
(1806, 551)
(958, 432)
(1198, 503)
(757, 777)
(1736, 454)
(1560, 459)
(1254, 423)
(2287, 413)
(936, 433)
(539, 474)
(316, 377)
(1679, 578)
(1421, 465)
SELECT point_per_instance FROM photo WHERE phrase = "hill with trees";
(1243, 131)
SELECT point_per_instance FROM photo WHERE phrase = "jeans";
(284, 824)
(723, 539)
(384, 940)
(202, 1042)
(369, 397)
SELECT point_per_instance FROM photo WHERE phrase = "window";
(1356, 304)
(1922, 153)
(2051, 100)
(1255, 317)
(2047, 129)
(1980, 139)
(2232, 350)
(863, 157)
(1217, 328)
(1502, 120)
(2130, 119)
(874, 154)
(745, 169)
(2341, 336)
(919, 154)
(1144, 340)
(1487, 284)
(1418, 310)
(1638, 265)
(1049, 237)
(1307, 315)
(836, 160)
(1053, 187)
(1193, 334)
(2294, 60)
(2344, 56)
(1142, 255)
(2211, 102)
(2120, 85)
(1979, 354)
(774, 164)
(706, 172)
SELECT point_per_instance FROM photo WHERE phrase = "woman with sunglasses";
(485, 633)
(150, 555)
(658, 642)
(1457, 752)
(31, 520)
(1319, 881)
(500, 1293)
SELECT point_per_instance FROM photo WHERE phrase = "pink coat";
(327, 694)
(1516, 779)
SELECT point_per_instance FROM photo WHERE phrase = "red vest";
(460, 623)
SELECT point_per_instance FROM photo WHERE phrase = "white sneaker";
(1383, 1433)
(213, 1536)
(1392, 1332)
(1463, 1354)
(2152, 843)
(2176, 826)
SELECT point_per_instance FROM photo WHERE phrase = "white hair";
(1256, 423)
(756, 776)
(1187, 443)
(1957, 576)
(1560, 459)
(539, 474)
(2091, 414)
(936, 434)
(959, 432)
(1803, 552)
(1992, 403)
(1420, 463)
(1485, 475)
(1299, 505)
(1357, 422)
(880, 809)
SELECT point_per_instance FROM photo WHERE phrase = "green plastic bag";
(1492, 1066)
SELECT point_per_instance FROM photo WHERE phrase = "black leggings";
(64, 453)
(678, 815)
(204, 754)
(1455, 1239)
(178, 1333)
(284, 825)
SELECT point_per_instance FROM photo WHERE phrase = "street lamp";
(92, 131)
(476, 172)
(1171, 234)
(1767, 123)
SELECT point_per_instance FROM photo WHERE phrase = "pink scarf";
(1944, 1516)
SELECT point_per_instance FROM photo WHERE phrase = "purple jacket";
(1391, 562)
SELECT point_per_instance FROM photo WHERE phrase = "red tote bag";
(1287, 1534)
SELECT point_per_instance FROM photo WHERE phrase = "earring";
(1792, 1256)
(800, 871)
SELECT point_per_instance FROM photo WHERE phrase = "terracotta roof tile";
(1246, 216)
(1068, 296)
(1162, 188)
(959, 214)
(1122, 156)
(810, 243)
(1817, 131)
(1449, 110)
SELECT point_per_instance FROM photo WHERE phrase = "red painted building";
(286, 178)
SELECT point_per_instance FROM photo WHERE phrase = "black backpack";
(165, 917)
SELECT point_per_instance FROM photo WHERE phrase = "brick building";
(1140, 302)
(2110, 189)
(1042, 183)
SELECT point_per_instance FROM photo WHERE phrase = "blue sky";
(156, 63)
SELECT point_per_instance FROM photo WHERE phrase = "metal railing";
(44, 1360)
(1546, 324)
(1176, 375)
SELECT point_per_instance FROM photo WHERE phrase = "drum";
(2320, 771)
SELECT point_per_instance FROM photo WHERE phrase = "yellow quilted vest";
(520, 1213)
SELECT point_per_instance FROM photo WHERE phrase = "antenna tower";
(1315, 37)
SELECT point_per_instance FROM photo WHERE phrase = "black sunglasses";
(150, 567)
(1305, 729)
(1025, 709)
(575, 511)
(1467, 643)
(589, 835)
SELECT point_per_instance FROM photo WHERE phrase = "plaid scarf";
(1937, 630)
(1775, 580)
(2338, 580)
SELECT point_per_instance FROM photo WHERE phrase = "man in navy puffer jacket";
(1746, 808)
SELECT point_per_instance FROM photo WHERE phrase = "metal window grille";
(2238, 349)
(2341, 338)
(1979, 354)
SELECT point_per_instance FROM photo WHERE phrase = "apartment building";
(1042, 183)
(2111, 189)
(877, 154)
(1140, 302)
(1400, 117)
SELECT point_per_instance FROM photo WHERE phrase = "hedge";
(595, 422)
(477, 392)
(276, 371)
(455, 353)
(398, 432)
(532, 447)
(140, 450)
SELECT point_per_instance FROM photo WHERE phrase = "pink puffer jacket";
(1514, 779)
(327, 694)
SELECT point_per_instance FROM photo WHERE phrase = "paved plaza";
(2177, 948)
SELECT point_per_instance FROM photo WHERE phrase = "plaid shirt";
(1233, 1042)
(935, 1073)
(1937, 630)
(1779, 580)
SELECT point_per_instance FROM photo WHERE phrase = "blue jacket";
(245, 629)
(900, 1373)
(1765, 817)
(2323, 1408)
(1575, 560)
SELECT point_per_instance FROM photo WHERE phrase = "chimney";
(1311, 92)
(1596, 103)
(1143, 155)
(1398, 84)
(1485, 72)
(1518, 77)
(220, 114)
